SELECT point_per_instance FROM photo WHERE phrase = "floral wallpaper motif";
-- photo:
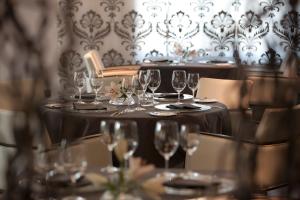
(129, 31)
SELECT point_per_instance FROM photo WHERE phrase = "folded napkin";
(170, 96)
(88, 106)
(190, 183)
(63, 180)
(86, 96)
(183, 106)
(217, 61)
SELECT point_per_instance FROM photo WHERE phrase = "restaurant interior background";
(123, 31)
(47, 41)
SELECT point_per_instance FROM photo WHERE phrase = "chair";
(269, 145)
(120, 71)
(96, 152)
(271, 92)
(228, 92)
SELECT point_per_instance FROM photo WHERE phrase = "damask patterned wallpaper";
(127, 31)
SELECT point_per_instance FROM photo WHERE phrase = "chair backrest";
(274, 91)
(96, 152)
(233, 93)
(275, 126)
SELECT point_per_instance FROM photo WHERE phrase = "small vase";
(122, 196)
(119, 101)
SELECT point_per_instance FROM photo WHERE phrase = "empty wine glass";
(79, 81)
(179, 81)
(128, 88)
(96, 84)
(144, 80)
(138, 91)
(127, 140)
(154, 82)
(192, 82)
(72, 163)
(107, 128)
(166, 141)
(189, 141)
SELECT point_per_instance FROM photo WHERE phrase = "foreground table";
(225, 186)
(215, 120)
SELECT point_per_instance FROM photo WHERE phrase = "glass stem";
(166, 164)
(193, 91)
(153, 97)
(178, 100)
(79, 94)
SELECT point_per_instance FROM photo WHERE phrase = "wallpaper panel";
(128, 31)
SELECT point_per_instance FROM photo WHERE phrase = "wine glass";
(166, 141)
(179, 81)
(192, 82)
(79, 81)
(138, 91)
(154, 82)
(96, 84)
(72, 164)
(144, 80)
(128, 88)
(189, 141)
(107, 128)
(127, 140)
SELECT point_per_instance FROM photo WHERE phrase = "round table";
(215, 120)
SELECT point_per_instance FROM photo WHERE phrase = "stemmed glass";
(127, 140)
(107, 128)
(192, 82)
(166, 141)
(128, 87)
(138, 91)
(154, 82)
(179, 81)
(144, 80)
(79, 81)
(96, 84)
(189, 141)
(72, 163)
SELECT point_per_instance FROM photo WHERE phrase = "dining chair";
(266, 153)
(96, 152)
(268, 92)
(129, 70)
(234, 94)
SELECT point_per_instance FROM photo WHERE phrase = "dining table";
(207, 184)
(214, 119)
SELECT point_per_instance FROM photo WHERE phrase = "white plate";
(162, 114)
(165, 107)
(205, 100)
(182, 98)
